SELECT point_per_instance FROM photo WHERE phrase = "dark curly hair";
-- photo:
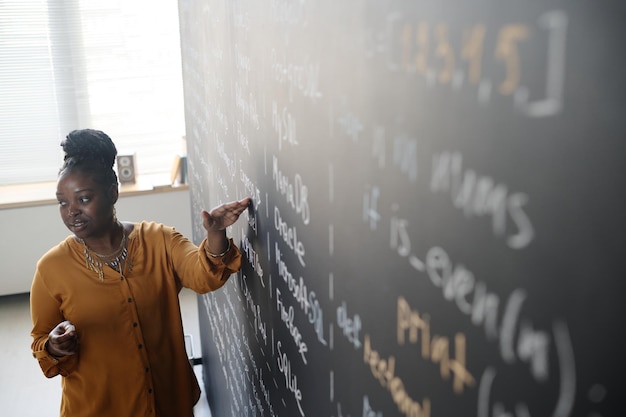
(91, 152)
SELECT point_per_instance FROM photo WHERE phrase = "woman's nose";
(72, 210)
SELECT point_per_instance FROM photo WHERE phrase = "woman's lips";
(78, 225)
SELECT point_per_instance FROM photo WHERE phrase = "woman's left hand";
(223, 216)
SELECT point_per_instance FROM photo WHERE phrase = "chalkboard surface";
(439, 217)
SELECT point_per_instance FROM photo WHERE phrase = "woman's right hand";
(62, 340)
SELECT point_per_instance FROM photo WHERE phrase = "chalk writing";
(370, 207)
(291, 379)
(316, 317)
(297, 287)
(259, 324)
(379, 151)
(247, 107)
(384, 370)
(288, 12)
(302, 78)
(296, 193)
(229, 161)
(479, 195)
(368, 411)
(350, 326)
(221, 182)
(317, 79)
(289, 235)
(434, 347)
(399, 236)
(458, 283)
(427, 49)
(242, 138)
(264, 390)
(252, 256)
(517, 337)
(251, 220)
(242, 63)
(556, 23)
(284, 124)
(350, 125)
(405, 156)
(567, 383)
(307, 300)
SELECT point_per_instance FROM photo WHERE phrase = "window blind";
(71, 64)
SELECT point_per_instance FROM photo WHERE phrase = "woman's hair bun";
(89, 145)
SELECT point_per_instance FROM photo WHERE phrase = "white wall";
(28, 232)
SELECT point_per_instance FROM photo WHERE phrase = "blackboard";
(439, 209)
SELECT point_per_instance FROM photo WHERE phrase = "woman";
(104, 302)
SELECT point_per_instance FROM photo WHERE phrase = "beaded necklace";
(116, 260)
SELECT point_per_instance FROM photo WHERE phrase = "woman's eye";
(84, 200)
(62, 203)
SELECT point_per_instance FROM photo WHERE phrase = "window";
(71, 64)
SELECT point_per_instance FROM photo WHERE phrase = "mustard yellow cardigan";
(132, 359)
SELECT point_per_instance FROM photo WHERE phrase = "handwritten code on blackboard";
(438, 222)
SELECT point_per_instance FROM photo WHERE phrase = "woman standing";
(104, 302)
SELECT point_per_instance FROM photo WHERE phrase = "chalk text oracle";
(434, 347)
(448, 55)
(295, 192)
(307, 300)
(289, 235)
(480, 195)
(287, 316)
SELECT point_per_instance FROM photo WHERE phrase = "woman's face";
(86, 207)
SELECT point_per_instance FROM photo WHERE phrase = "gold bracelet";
(208, 252)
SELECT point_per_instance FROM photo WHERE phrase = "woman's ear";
(114, 193)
